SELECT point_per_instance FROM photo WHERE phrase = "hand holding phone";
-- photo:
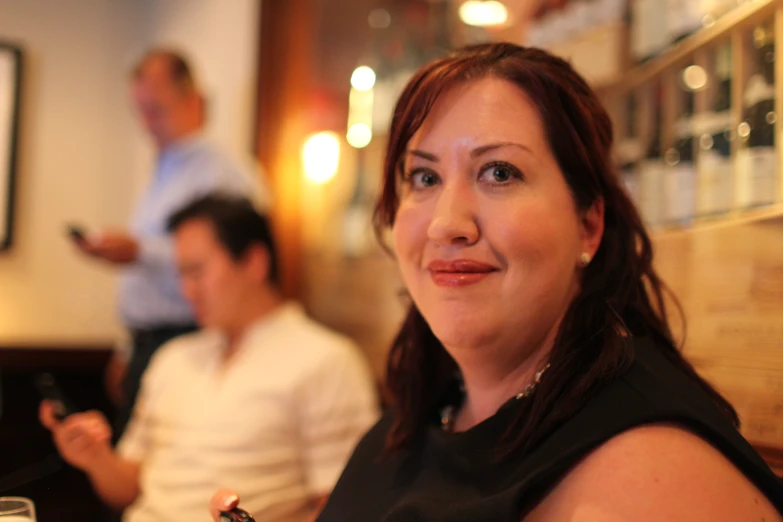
(77, 233)
(51, 392)
(116, 247)
(236, 515)
(83, 439)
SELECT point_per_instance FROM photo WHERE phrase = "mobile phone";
(236, 515)
(51, 392)
(76, 232)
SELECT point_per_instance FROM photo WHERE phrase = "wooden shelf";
(747, 14)
(730, 219)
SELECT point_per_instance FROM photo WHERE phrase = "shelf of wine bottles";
(698, 141)
(604, 38)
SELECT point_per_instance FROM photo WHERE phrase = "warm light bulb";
(359, 135)
(321, 156)
(363, 78)
(483, 13)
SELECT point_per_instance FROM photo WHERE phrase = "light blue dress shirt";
(149, 294)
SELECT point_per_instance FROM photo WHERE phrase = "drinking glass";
(16, 509)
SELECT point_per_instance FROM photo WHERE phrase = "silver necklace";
(448, 414)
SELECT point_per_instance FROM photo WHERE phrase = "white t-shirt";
(277, 423)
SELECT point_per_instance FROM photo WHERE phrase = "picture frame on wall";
(10, 86)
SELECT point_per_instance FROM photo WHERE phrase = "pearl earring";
(585, 258)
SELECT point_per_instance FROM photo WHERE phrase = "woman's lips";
(459, 272)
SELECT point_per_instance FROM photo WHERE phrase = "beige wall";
(82, 157)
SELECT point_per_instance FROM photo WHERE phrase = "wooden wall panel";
(361, 297)
(284, 83)
(729, 279)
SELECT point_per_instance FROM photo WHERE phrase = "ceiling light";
(363, 78)
(321, 156)
(483, 13)
(359, 135)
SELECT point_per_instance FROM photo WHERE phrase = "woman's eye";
(422, 179)
(428, 179)
(500, 173)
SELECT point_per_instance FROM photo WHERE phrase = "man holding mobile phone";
(263, 400)
(171, 108)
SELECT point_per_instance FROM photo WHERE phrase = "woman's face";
(487, 233)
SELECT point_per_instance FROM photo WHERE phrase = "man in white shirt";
(171, 108)
(263, 400)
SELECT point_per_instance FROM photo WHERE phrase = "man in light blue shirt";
(188, 167)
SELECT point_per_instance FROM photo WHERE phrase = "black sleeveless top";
(457, 477)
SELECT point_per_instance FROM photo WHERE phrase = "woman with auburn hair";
(535, 376)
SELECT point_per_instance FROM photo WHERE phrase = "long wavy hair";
(621, 294)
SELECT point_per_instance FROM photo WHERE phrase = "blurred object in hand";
(116, 247)
(81, 439)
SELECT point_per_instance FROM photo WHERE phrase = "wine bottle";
(651, 170)
(649, 33)
(684, 17)
(680, 173)
(714, 163)
(630, 152)
(757, 157)
(609, 12)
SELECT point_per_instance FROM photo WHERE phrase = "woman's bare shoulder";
(653, 473)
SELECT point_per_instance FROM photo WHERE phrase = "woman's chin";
(462, 335)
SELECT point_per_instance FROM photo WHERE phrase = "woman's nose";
(454, 219)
